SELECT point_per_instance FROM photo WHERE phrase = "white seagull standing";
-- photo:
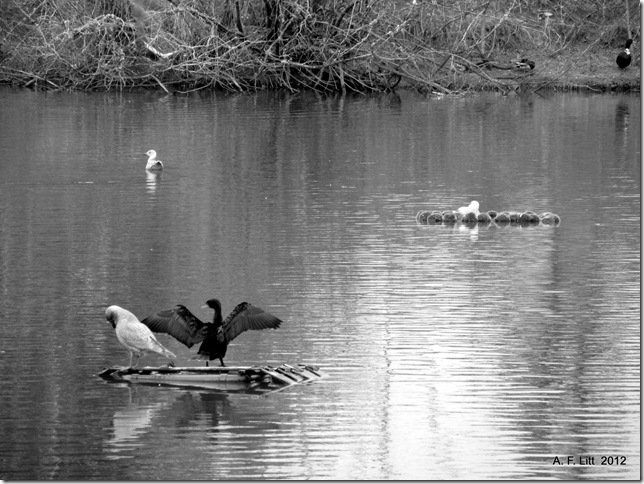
(473, 207)
(153, 163)
(134, 335)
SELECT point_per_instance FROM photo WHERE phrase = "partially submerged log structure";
(242, 378)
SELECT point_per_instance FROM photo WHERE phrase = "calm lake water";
(449, 352)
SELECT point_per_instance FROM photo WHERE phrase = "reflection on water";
(130, 423)
(153, 179)
(450, 352)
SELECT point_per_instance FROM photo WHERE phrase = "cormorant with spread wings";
(187, 328)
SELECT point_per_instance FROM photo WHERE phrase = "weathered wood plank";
(201, 375)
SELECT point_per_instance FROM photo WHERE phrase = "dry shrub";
(326, 45)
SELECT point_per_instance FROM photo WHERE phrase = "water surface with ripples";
(449, 352)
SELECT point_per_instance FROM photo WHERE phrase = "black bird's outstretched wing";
(246, 316)
(179, 323)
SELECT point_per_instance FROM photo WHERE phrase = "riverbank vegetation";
(326, 45)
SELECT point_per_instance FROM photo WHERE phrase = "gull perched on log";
(473, 207)
(134, 335)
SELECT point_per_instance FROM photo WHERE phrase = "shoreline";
(296, 46)
(593, 72)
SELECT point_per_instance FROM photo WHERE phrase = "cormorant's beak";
(205, 306)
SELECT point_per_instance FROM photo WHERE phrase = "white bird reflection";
(472, 231)
(132, 421)
(152, 180)
(151, 413)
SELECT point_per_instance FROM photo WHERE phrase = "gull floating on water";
(134, 335)
(153, 163)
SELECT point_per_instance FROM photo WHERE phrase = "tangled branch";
(324, 45)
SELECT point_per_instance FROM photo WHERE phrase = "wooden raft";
(216, 377)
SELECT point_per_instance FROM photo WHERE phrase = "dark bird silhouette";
(525, 64)
(624, 58)
(180, 323)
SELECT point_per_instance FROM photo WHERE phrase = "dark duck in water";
(214, 337)
(624, 58)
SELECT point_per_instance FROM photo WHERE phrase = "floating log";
(451, 217)
(213, 377)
